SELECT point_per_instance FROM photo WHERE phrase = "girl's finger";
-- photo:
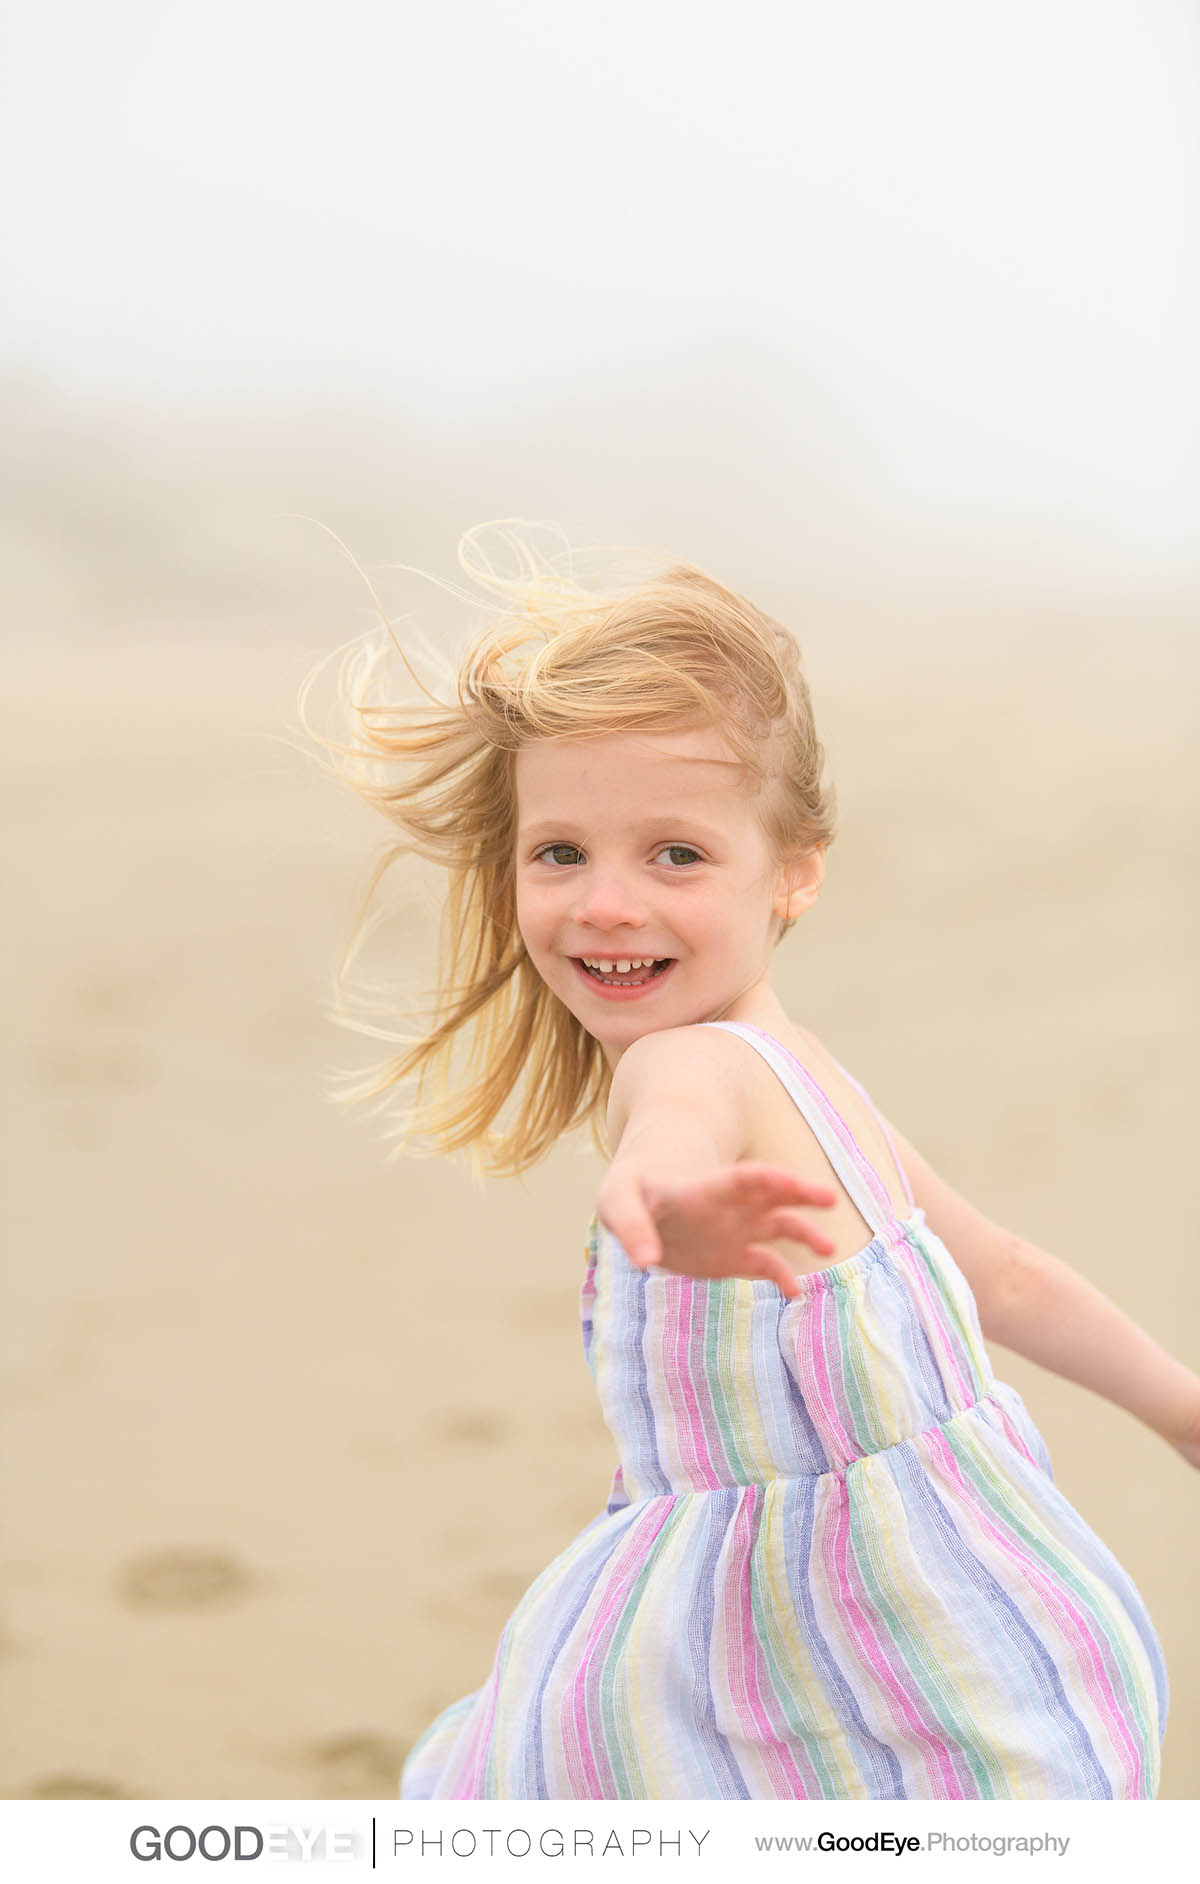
(771, 1267)
(633, 1227)
(798, 1229)
(772, 1184)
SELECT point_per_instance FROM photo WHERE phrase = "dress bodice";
(716, 1383)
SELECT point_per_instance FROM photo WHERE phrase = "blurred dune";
(288, 1428)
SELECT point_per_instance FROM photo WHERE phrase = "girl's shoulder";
(704, 1057)
(721, 1074)
(707, 1066)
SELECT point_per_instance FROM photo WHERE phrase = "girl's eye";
(561, 856)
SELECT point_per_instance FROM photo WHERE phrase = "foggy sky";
(969, 230)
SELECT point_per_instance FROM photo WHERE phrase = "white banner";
(102, 1840)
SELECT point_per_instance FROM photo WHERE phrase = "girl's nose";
(608, 902)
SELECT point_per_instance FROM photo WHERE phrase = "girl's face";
(638, 848)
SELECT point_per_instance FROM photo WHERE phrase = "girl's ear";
(798, 883)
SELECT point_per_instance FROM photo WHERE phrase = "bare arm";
(1040, 1307)
(678, 1191)
(677, 1104)
(1056, 1317)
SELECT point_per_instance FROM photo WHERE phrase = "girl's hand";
(716, 1225)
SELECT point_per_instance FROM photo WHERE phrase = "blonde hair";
(560, 662)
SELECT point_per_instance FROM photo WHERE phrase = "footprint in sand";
(502, 1586)
(77, 1786)
(466, 1427)
(183, 1579)
(82, 1067)
(358, 1766)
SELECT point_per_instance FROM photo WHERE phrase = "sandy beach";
(289, 1428)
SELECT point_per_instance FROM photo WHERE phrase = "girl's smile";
(647, 895)
(625, 981)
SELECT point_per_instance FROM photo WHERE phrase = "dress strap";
(856, 1173)
(873, 1109)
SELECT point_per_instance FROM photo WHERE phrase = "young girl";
(834, 1563)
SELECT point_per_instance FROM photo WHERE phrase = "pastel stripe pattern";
(833, 1564)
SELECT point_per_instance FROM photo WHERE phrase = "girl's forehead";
(696, 750)
(630, 780)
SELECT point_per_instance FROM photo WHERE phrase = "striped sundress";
(834, 1563)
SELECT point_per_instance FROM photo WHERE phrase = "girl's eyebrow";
(679, 820)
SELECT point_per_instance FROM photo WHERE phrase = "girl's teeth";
(620, 968)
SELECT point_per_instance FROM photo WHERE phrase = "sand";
(288, 1428)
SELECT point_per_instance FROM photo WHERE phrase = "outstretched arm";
(1056, 1317)
(678, 1192)
(1040, 1307)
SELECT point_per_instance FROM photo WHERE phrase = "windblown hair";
(559, 662)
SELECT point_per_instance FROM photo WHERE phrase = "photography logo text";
(241, 1843)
